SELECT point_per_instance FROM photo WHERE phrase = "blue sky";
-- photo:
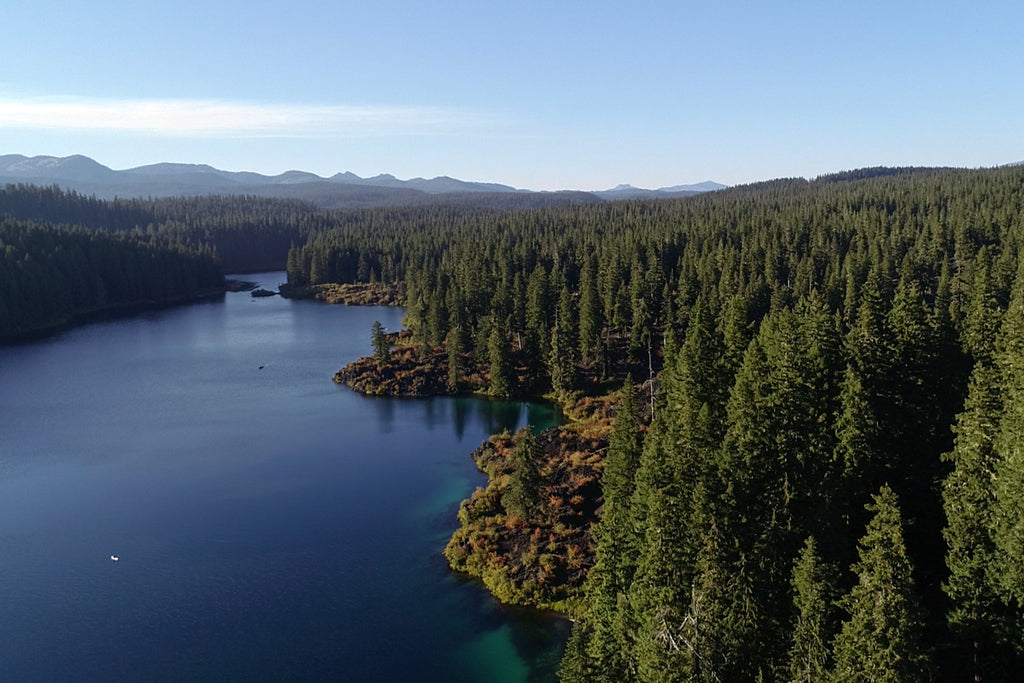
(540, 95)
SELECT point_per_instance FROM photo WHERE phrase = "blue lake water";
(269, 524)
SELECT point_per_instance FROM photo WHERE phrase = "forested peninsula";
(796, 407)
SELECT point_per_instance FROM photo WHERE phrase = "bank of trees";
(246, 233)
(52, 276)
(65, 257)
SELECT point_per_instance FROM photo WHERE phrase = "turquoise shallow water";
(269, 524)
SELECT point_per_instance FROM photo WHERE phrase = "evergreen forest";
(815, 470)
(67, 258)
(824, 479)
(54, 276)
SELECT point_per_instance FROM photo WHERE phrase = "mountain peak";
(706, 186)
(75, 167)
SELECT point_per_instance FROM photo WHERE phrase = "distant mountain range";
(630, 192)
(342, 190)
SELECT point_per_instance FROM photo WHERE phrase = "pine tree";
(775, 474)
(537, 302)
(658, 594)
(978, 618)
(862, 469)
(617, 545)
(983, 315)
(645, 286)
(499, 354)
(562, 356)
(455, 344)
(616, 542)
(710, 635)
(687, 431)
(381, 346)
(537, 330)
(736, 331)
(870, 343)
(811, 653)
(575, 666)
(913, 420)
(881, 641)
(1009, 444)
(522, 495)
(591, 323)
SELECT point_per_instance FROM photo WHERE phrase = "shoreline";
(540, 564)
(111, 312)
(353, 294)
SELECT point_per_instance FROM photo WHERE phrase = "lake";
(268, 524)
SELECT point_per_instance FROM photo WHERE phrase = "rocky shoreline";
(543, 561)
(407, 374)
(358, 294)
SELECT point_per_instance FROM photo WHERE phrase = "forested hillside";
(830, 483)
(246, 233)
(53, 276)
(67, 257)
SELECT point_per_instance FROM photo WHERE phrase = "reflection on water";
(462, 412)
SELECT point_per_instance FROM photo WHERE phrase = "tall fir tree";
(521, 498)
(870, 343)
(683, 441)
(575, 666)
(710, 638)
(881, 641)
(455, 347)
(659, 590)
(863, 469)
(810, 657)
(499, 354)
(536, 334)
(775, 473)
(381, 345)
(590, 315)
(984, 314)
(562, 355)
(616, 546)
(1009, 444)
(914, 418)
(979, 619)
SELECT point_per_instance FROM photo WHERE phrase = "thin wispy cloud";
(214, 118)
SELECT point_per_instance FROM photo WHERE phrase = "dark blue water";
(269, 524)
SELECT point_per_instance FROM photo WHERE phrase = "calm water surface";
(269, 524)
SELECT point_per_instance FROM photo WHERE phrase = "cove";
(269, 524)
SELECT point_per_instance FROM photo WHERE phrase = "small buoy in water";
(114, 558)
(261, 367)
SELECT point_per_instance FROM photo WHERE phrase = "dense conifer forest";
(53, 276)
(819, 472)
(248, 234)
(67, 257)
(825, 482)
